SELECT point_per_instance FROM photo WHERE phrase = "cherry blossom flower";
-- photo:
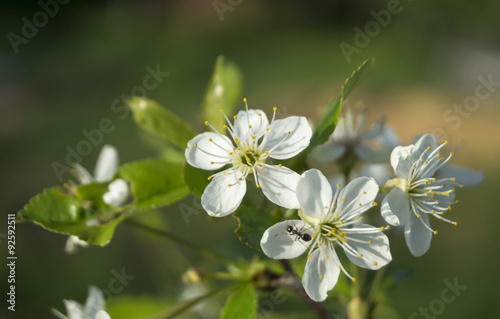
(329, 220)
(93, 308)
(424, 187)
(254, 141)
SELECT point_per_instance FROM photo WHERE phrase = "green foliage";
(62, 212)
(330, 117)
(222, 92)
(242, 304)
(159, 121)
(155, 182)
(252, 222)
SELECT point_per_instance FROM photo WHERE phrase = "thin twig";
(322, 312)
(379, 275)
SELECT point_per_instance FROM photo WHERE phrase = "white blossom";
(351, 135)
(329, 220)
(254, 141)
(425, 186)
(93, 308)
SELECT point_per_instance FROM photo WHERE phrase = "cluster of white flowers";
(424, 185)
(118, 190)
(93, 308)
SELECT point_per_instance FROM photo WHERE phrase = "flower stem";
(180, 240)
(376, 284)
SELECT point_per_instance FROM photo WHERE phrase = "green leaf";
(242, 304)
(62, 212)
(92, 193)
(330, 117)
(223, 91)
(196, 179)
(154, 182)
(252, 222)
(161, 122)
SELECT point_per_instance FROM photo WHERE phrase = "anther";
(206, 122)
(244, 99)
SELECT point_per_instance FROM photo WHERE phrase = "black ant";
(299, 233)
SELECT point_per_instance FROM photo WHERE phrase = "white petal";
(418, 237)
(279, 185)
(361, 190)
(396, 207)
(314, 193)
(94, 303)
(337, 179)
(380, 172)
(421, 145)
(219, 199)
(327, 153)
(341, 132)
(374, 255)
(81, 174)
(205, 152)
(258, 122)
(107, 164)
(321, 273)
(388, 139)
(282, 145)
(73, 309)
(102, 315)
(277, 243)
(72, 244)
(375, 129)
(402, 160)
(118, 193)
(463, 176)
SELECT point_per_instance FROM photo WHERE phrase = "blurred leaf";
(161, 122)
(330, 117)
(242, 304)
(252, 222)
(63, 213)
(173, 311)
(223, 91)
(196, 179)
(155, 182)
(134, 307)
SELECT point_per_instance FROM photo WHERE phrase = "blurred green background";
(66, 77)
